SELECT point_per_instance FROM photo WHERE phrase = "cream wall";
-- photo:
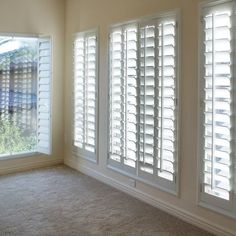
(44, 17)
(86, 14)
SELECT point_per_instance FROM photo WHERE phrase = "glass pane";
(18, 95)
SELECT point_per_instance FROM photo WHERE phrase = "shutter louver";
(85, 93)
(217, 104)
(44, 96)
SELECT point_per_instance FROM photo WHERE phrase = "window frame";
(35, 152)
(162, 184)
(205, 200)
(76, 151)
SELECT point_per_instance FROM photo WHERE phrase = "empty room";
(117, 117)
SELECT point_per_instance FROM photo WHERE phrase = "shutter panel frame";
(77, 151)
(121, 161)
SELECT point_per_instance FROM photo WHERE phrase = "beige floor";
(61, 201)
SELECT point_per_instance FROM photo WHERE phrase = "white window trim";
(164, 185)
(224, 207)
(77, 152)
(19, 155)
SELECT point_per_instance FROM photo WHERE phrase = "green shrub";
(13, 139)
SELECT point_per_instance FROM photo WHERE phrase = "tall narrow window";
(217, 106)
(85, 94)
(143, 101)
(25, 104)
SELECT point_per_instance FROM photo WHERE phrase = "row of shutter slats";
(217, 104)
(85, 91)
(122, 89)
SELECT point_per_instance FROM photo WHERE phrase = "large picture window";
(217, 75)
(143, 100)
(25, 77)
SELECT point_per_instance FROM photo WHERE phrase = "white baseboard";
(171, 209)
(29, 166)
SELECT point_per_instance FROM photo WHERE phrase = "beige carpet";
(61, 201)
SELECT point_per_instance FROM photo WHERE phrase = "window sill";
(173, 192)
(208, 206)
(88, 156)
(18, 155)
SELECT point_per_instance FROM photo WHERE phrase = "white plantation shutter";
(147, 156)
(143, 93)
(44, 96)
(158, 142)
(218, 109)
(123, 99)
(167, 98)
(85, 93)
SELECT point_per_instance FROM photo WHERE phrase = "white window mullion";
(123, 97)
(156, 103)
(86, 82)
(213, 107)
(233, 108)
(162, 95)
(138, 121)
(144, 100)
(110, 98)
(233, 118)
(176, 104)
(84, 93)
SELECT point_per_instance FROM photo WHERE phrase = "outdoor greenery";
(13, 139)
